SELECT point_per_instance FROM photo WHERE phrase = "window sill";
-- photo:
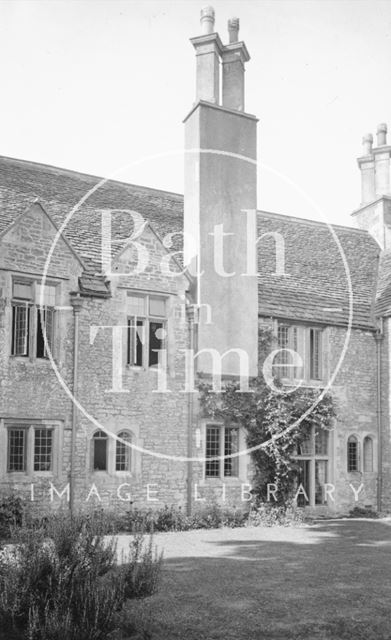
(24, 475)
(32, 360)
(134, 367)
(303, 382)
(219, 481)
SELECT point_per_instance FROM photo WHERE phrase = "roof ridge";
(91, 175)
(273, 214)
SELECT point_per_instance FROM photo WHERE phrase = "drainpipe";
(379, 338)
(190, 417)
(76, 303)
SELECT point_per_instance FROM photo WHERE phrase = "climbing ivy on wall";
(272, 419)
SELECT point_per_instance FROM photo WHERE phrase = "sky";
(103, 87)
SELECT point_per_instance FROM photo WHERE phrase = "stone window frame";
(30, 426)
(111, 453)
(146, 318)
(299, 339)
(360, 440)
(312, 457)
(32, 306)
(242, 460)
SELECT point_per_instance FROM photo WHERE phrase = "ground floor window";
(313, 467)
(30, 448)
(99, 451)
(123, 452)
(221, 441)
(360, 454)
(112, 454)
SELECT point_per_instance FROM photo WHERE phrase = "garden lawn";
(331, 580)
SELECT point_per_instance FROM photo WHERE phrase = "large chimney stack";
(374, 213)
(234, 57)
(208, 48)
(220, 183)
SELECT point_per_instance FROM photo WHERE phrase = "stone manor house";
(99, 319)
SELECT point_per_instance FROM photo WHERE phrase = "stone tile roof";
(383, 297)
(320, 262)
(59, 190)
(315, 289)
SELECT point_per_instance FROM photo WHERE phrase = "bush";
(142, 569)
(60, 581)
(363, 512)
(205, 516)
(268, 515)
(11, 514)
(213, 516)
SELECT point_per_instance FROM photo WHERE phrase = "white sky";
(96, 85)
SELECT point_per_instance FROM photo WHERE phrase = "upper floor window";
(146, 329)
(306, 342)
(220, 442)
(30, 320)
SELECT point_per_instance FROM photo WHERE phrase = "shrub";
(142, 569)
(60, 581)
(11, 514)
(363, 512)
(268, 515)
(205, 516)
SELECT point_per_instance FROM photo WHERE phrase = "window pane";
(123, 453)
(49, 295)
(136, 339)
(320, 481)
(231, 445)
(156, 341)
(100, 451)
(157, 307)
(305, 448)
(352, 454)
(368, 455)
(315, 354)
(304, 480)
(287, 339)
(43, 446)
(321, 442)
(17, 449)
(20, 330)
(212, 467)
(22, 290)
(135, 305)
(44, 320)
(282, 357)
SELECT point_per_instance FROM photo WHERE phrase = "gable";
(28, 242)
(147, 264)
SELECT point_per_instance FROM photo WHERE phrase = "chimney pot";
(233, 29)
(367, 143)
(207, 20)
(382, 134)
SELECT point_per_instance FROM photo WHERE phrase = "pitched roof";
(316, 287)
(323, 264)
(59, 190)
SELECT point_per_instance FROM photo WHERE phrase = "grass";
(330, 581)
